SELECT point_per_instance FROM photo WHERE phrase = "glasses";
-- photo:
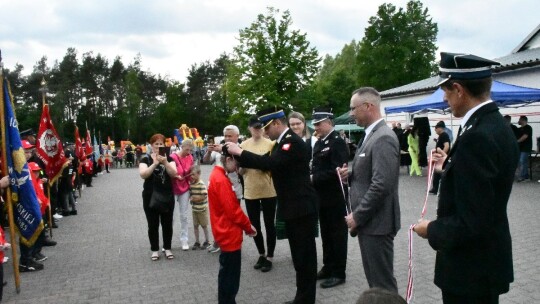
(354, 108)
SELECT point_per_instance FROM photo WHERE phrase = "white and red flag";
(49, 147)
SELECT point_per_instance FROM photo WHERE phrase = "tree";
(271, 64)
(338, 78)
(207, 106)
(398, 47)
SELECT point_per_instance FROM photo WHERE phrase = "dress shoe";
(321, 275)
(331, 282)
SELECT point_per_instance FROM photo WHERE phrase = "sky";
(173, 35)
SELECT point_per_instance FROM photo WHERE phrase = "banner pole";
(14, 255)
(49, 208)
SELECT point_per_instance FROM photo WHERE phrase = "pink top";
(183, 168)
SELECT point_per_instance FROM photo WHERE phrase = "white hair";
(232, 128)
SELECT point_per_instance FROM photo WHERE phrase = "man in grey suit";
(374, 190)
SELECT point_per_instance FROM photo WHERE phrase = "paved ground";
(103, 255)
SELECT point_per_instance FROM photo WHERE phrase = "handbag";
(159, 202)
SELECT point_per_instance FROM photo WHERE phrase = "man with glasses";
(375, 215)
(289, 164)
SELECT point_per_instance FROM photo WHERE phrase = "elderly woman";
(157, 171)
(184, 161)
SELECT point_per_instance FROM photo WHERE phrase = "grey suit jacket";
(374, 183)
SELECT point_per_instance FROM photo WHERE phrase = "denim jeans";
(524, 165)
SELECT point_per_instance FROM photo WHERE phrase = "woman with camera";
(157, 170)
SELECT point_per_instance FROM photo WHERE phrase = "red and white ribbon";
(410, 275)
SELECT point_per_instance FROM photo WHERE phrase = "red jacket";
(227, 218)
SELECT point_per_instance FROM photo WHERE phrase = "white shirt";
(281, 136)
(370, 128)
(471, 112)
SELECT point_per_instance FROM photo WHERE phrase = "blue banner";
(26, 209)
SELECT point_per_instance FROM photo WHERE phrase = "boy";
(228, 221)
(199, 206)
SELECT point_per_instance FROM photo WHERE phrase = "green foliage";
(338, 78)
(398, 47)
(271, 64)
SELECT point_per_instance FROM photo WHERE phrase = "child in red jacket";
(228, 222)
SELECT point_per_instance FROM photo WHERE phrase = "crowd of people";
(304, 186)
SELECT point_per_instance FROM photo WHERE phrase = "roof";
(525, 55)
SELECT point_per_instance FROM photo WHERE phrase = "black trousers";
(154, 218)
(268, 207)
(436, 182)
(301, 235)
(229, 276)
(334, 240)
(449, 298)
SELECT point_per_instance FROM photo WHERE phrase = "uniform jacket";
(328, 154)
(471, 233)
(374, 183)
(289, 165)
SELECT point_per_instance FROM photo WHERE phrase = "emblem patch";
(286, 147)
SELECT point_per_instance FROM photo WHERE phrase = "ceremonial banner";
(23, 196)
(96, 148)
(88, 142)
(79, 152)
(49, 147)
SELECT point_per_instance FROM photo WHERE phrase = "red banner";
(49, 147)
(79, 152)
(89, 149)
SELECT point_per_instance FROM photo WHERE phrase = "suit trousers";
(301, 235)
(334, 240)
(378, 260)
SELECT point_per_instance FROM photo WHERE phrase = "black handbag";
(159, 202)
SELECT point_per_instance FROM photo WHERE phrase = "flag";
(96, 147)
(49, 147)
(23, 196)
(79, 152)
(88, 141)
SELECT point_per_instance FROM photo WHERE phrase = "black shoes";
(260, 262)
(73, 212)
(48, 242)
(321, 275)
(39, 257)
(332, 282)
(30, 266)
(267, 266)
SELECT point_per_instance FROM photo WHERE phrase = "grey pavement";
(103, 255)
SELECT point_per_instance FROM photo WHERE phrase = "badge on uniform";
(326, 142)
(286, 147)
(325, 149)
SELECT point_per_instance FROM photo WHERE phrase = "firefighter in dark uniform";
(297, 200)
(329, 153)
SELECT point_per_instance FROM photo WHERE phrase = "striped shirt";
(198, 189)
